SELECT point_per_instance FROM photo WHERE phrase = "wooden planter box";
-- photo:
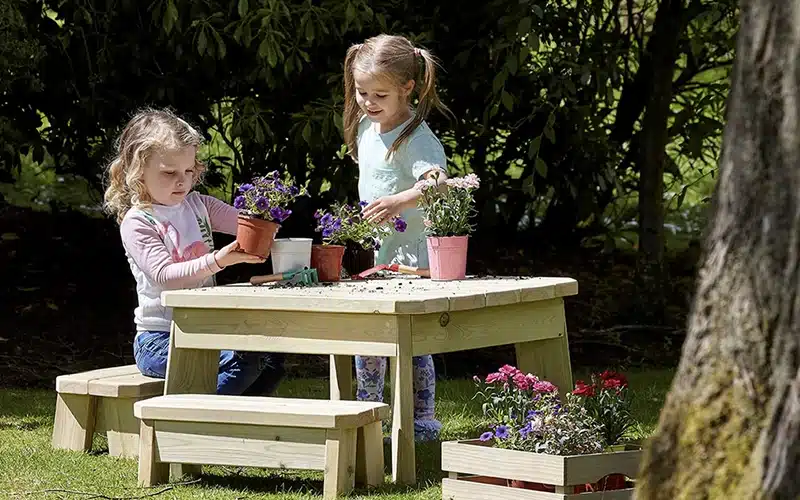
(472, 465)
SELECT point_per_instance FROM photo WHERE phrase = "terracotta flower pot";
(448, 257)
(327, 260)
(356, 259)
(255, 236)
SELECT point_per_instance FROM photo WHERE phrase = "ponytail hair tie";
(417, 52)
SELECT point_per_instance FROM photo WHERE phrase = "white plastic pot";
(290, 254)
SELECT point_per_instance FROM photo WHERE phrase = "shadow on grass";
(271, 481)
(25, 409)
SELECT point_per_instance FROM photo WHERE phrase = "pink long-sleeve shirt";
(170, 247)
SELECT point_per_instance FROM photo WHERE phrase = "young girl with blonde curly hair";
(166, 230)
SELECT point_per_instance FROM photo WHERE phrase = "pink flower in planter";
(496, 377)
(509, 370)
(544, 386)
(521, 381)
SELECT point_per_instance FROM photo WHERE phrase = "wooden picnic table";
(398, 317)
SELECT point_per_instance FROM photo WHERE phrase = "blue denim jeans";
(240, 373)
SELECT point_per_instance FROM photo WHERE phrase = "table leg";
(190, 371)
(403, 448)
(341, 372)
(548, 359)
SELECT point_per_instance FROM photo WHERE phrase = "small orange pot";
(327, 260)
(255, 236)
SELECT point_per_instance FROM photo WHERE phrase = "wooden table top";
(393, 295)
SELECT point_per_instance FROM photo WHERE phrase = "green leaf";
(511, 63)
(349, 13)
(538, 11)
(524, 26)
(533, 148)
(170, 16)
(307, 133)
(533, 42)
(202, 42)
(243, 7)
(310, 31)
(541, 167)
(338, 120)
(263, 48)
(221, 48)
(508, 100)
(551, 136)
(499, 81)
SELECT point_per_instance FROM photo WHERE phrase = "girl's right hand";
(230, 255)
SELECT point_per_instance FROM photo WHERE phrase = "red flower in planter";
(612, 379)
(581, 389)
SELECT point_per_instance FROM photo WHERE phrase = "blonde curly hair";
(150, 130)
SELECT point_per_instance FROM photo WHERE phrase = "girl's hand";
(230, 255)
(383, 209)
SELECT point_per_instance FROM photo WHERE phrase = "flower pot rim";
(253, 217)
(326, 245)
(294, 239)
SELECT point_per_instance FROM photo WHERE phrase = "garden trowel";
(393, 267)
(304, 276)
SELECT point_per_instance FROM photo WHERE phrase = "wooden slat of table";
(382, 296)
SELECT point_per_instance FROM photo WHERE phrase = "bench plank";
(257, 410)
(134, 385)
(78, 383)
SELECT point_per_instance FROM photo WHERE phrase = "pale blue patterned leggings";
(370, 374)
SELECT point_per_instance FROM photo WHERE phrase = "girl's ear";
(408, 88)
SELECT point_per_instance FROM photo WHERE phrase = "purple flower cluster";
(342, 223)
(267, 197)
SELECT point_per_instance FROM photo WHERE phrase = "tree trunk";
(667, 30)
(730, 427)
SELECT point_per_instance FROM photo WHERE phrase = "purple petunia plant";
(525, 413)
(342, 223)
(268, 197)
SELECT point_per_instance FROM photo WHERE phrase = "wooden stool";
(101, 401)
(341, 438)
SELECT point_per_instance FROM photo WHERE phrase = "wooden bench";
(341, 438)
(101, 401)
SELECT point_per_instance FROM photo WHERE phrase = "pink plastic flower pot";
(448, 257)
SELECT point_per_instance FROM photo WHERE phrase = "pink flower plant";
(526, 412)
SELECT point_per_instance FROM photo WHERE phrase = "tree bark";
(730, 427)
(667, 30)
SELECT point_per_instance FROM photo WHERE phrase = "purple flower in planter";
(238, 202)
(274, 174)
(400, 225)
(486, 436)
(501, 432)
(245, 188)
(317, 215)
(279, 214)
(294, 190)
(362, 203)
(262, 203)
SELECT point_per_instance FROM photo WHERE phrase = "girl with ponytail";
(394, 148)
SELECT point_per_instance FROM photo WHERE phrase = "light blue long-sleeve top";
(420, 152)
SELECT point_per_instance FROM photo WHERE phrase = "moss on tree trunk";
(730, 427)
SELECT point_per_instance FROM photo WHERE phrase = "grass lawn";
(29, 468)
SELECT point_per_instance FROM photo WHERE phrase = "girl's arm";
(426, 159)
(148, 251)
(223, 216)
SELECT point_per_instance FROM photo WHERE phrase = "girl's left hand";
(382, 209)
